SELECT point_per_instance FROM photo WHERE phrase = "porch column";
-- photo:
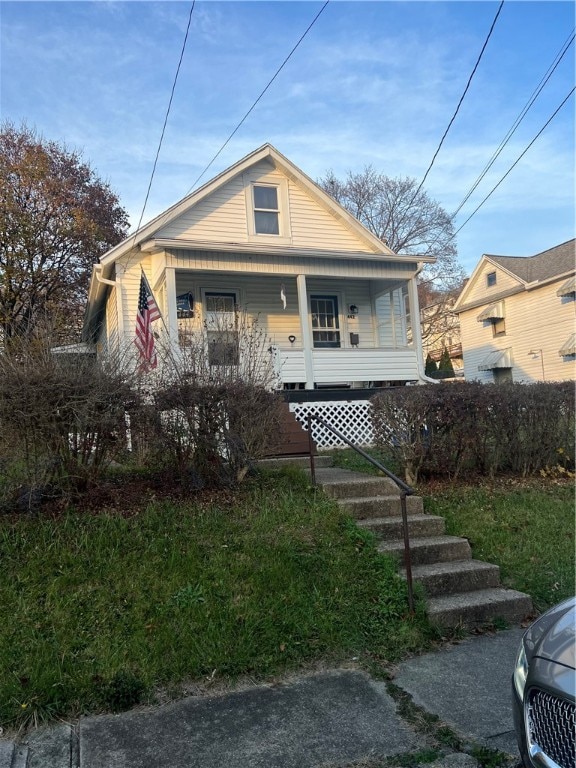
(416, 331)
(305, 330)
(171, 310)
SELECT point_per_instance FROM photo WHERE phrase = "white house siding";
(535, 320)
(223, 217)
(313, 226)
(332, 366)
(479, 291)
(219, 218)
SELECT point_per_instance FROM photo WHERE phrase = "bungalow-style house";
(517, 317)
(339, 308)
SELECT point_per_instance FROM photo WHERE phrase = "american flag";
(147, 312)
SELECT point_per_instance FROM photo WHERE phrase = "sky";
(371, 84)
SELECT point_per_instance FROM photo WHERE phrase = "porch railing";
(404, 488)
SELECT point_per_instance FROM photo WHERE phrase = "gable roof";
(528, 272)
(266, 152)
(543, 266)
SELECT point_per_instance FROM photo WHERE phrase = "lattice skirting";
(351, 418)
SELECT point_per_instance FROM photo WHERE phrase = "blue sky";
(372, 83)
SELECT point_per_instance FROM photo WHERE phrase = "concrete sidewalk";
(322, 720)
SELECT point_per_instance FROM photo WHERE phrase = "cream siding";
(480, 291)
(332, 366)
(223, 217)
(535, 320)
(209, 261)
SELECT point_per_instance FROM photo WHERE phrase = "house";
(339, 307)
(517, 317)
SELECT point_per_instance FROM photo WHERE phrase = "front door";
(221, 328)
(325, 323)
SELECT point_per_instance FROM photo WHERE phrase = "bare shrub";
(61, 419)
(473, 428)
(213, 409)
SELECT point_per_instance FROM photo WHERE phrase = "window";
(502, 375)
(325, 322)
(221, 329)
(266, 210)
(491, 279)
(498, 326)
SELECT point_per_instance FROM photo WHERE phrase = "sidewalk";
(335, 718)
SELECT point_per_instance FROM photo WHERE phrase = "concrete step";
(455, 576)
(13, 755)
(381, 506)
(353, 485)
(295, 461)
(431, 549)
(483, 606)
(389, 528)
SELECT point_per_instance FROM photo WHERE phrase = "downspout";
(416, 334)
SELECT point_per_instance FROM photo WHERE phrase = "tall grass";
(98, 611)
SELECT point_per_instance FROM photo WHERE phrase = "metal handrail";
(405, 490)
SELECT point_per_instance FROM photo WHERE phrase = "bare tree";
(409, 222)
(56, 219)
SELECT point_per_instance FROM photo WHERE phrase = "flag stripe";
(147, 312)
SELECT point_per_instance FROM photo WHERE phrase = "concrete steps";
(391, 528)
(460, 591)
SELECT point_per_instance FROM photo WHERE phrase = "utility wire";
(166, 118)
(558, 58)
(515, 162)
(460, 102)
(280, 68)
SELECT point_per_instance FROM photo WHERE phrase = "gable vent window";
(266, 210)
(491, 279)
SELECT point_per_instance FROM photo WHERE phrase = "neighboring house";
(440, 329)
(336, 303)
(517, 317)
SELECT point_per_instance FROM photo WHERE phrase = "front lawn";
(524, 526)
(103, 609)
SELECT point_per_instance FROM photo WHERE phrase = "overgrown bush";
(213, 408)
(473, 428)
(61, 421)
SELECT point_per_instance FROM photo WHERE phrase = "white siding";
(341, 365)
(223, 217)
(285, 264)
(535, 320)
(480, 291)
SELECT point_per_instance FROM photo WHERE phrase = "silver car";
(544, 689)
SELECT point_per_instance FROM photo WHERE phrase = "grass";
(524, 526)
(101, 611)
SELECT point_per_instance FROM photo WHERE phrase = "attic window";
(266, 210)
(490, 279)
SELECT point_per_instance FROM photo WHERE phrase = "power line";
(515, 162)
(166, 118)
(280, 68)
(460, 102)
(558, 58)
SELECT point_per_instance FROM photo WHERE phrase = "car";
(544, 690)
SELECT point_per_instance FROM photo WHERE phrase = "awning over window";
(567, 288)
(500, 358)
(493, 312)
(569, 348)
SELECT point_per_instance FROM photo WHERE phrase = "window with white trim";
(266, 209)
